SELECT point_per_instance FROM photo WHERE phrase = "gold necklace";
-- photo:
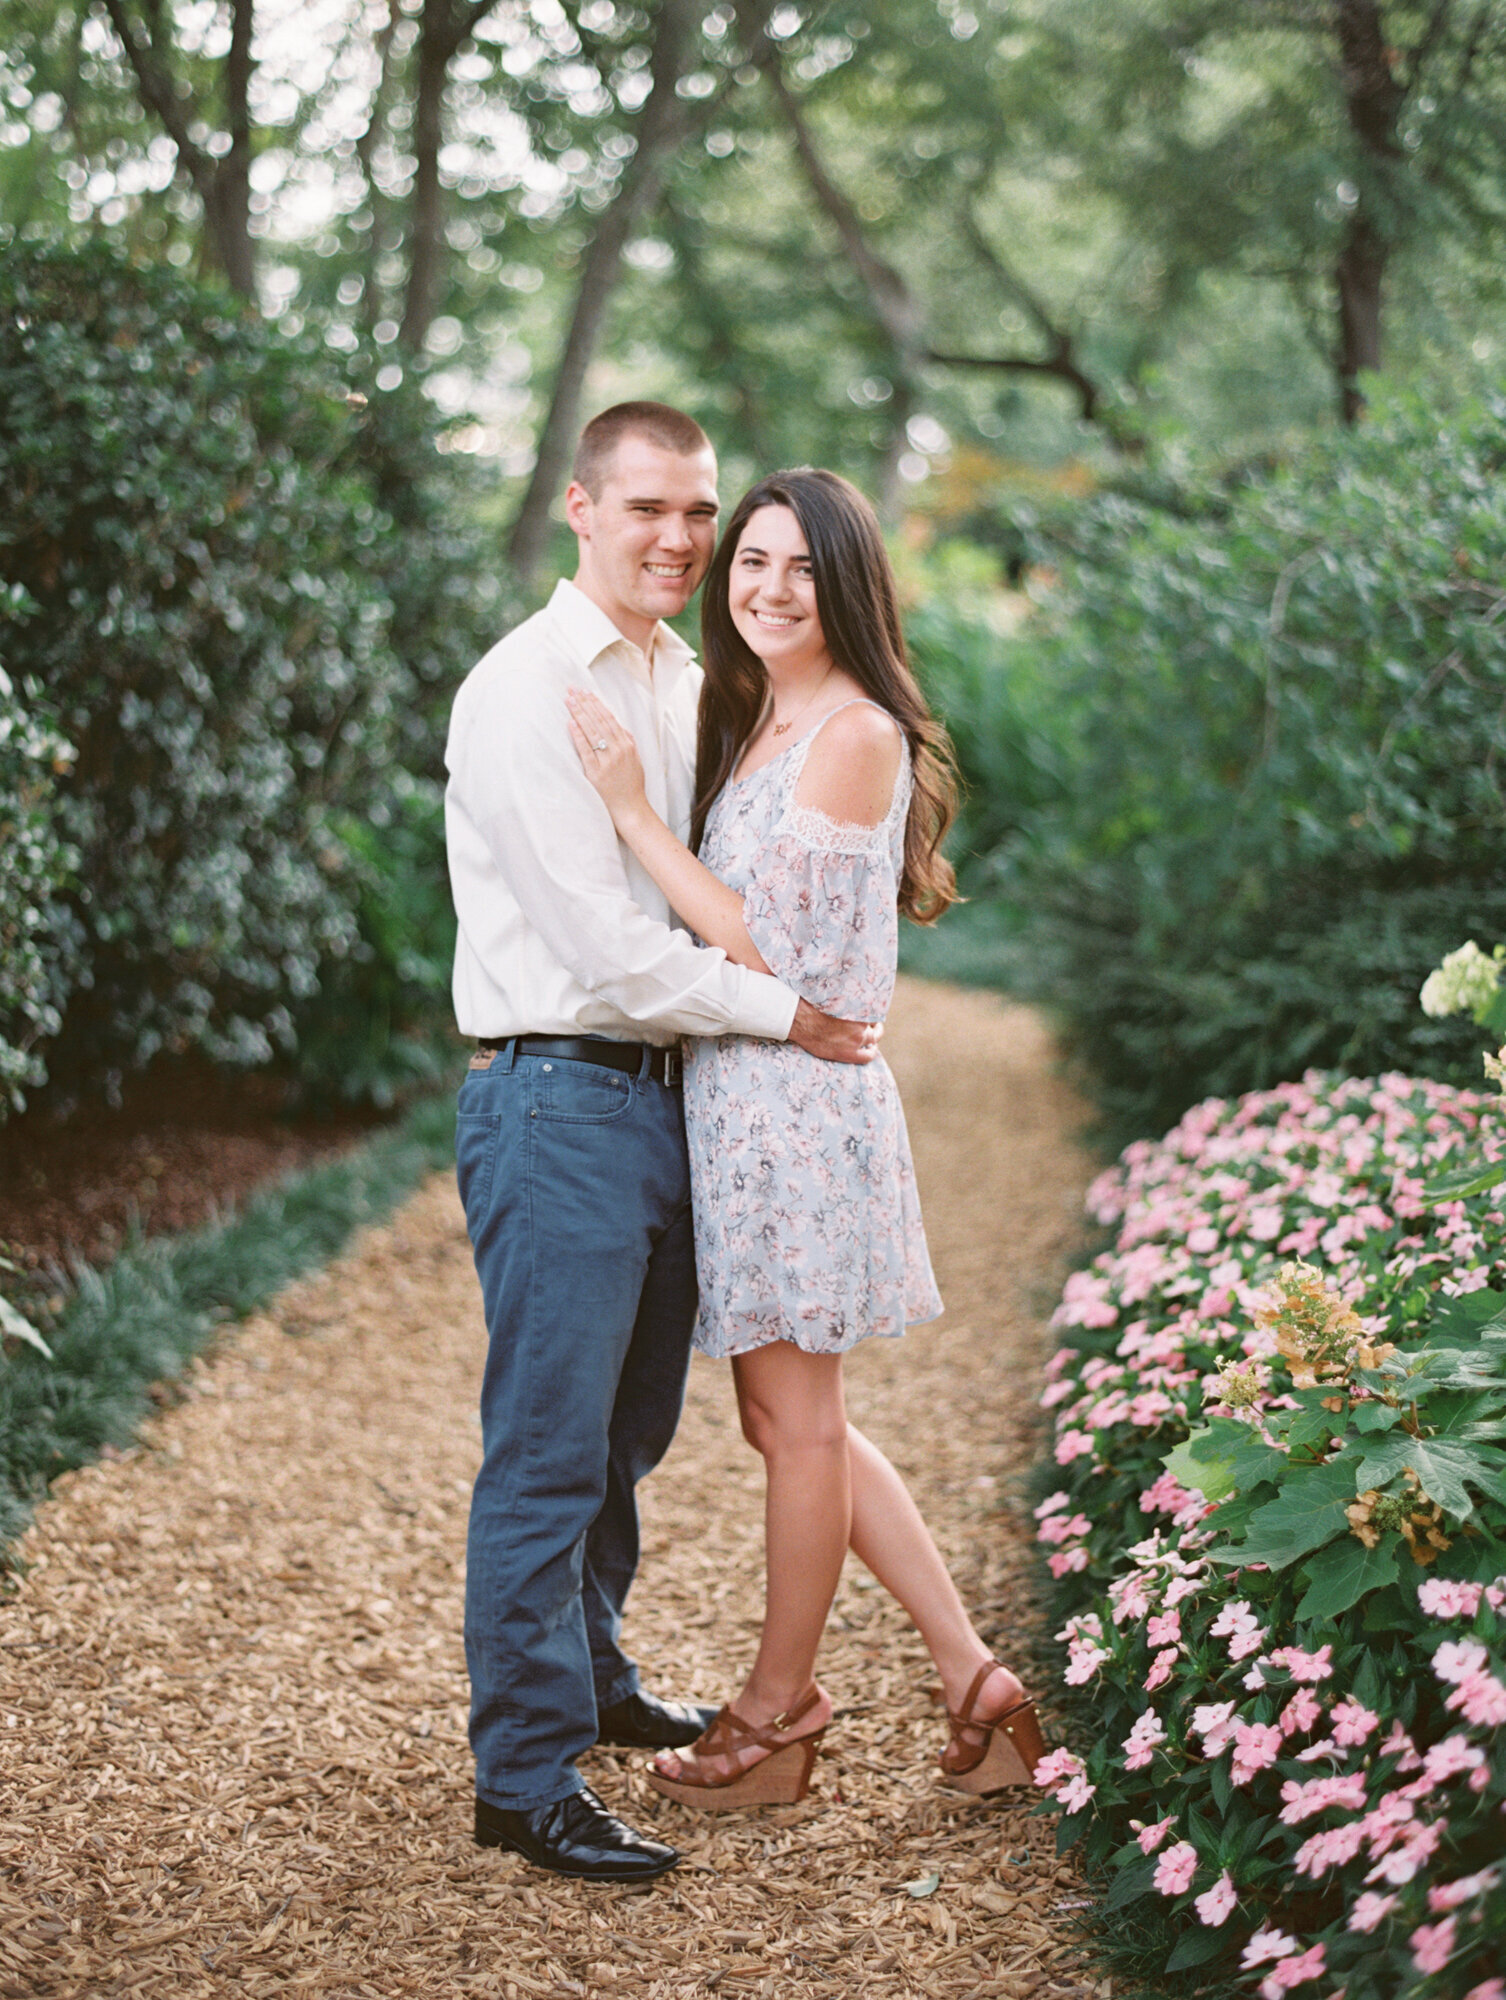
(780, 728)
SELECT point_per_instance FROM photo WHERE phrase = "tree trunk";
(1373, 98)
(426, 216)
(228, 210)
(443, 26)
(1360, 276)
(224, 185)
(663, 122)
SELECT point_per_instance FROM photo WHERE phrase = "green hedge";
(241, 593)
(1272, 790)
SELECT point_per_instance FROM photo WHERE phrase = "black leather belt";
(664, 1065)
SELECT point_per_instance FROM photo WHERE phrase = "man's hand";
(834, 1040)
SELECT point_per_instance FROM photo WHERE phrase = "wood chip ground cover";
(232, 1690)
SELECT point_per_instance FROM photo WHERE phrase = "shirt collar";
(589, 632)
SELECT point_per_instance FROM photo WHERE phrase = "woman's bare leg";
(794, 1416)
(889, 1535)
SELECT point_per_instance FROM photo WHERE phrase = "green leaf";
(1131, 1883)
(1463, 1182)
(1341, 1574)
(1221, 1783)
(1441, 1464)
(1374, 1416)
(1197, 1947)
(1462, 1320)
(1306, 1513)
(1213, 1479)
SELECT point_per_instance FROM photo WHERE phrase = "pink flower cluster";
(1292, 1728)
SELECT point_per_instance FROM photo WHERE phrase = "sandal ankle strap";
(731, 1732)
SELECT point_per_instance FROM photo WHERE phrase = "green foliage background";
(239, 590)
(1238, 783)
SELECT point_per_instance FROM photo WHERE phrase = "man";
(570, 1141)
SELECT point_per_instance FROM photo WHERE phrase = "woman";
(822, 798)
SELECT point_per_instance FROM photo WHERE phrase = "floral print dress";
(807, 1220)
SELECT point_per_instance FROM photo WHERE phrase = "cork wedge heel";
(982, 1757)
(781, 1778)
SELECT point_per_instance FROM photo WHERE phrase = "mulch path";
(232, 1691)
(185, 1142)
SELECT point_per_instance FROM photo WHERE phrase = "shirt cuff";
(767, 1011)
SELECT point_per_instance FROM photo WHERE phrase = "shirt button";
(547, 1068)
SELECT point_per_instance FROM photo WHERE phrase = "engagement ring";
(601, 746)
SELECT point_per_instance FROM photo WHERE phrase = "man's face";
(647, 537)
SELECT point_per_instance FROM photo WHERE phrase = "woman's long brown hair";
(859, 612)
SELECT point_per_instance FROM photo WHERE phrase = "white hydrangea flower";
(1468, 979)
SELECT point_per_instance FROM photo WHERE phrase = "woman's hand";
(608, 755)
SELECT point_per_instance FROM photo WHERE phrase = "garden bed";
(1293, 1697)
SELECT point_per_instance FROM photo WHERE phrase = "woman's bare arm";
(712, 910)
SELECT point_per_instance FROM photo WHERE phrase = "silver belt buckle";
(674, 1066)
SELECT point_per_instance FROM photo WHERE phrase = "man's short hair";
(668, 428)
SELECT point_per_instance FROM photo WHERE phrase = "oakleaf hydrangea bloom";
(1465, 983)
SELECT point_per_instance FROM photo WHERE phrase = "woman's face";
(772, 593)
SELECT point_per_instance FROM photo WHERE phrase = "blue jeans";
(577, 1200)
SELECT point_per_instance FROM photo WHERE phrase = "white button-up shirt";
(562, 932)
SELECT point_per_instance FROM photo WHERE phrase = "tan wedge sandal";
(780, 1779)
(988, 1756)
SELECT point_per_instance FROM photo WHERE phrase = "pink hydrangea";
(1215, 1904)
(1433, 1945)
(1257, 1745)
(1352, 1722)
(1176, 1868)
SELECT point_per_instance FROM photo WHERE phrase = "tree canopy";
(936, 234)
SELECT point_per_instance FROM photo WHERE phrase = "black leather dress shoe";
(575, 1836)
(642, 1722)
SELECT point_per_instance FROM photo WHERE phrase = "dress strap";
(817, 829)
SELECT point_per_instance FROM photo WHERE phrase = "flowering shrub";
(1279, 1535)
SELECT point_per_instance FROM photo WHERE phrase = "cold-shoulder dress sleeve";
(823, 903)
(807, 1220)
